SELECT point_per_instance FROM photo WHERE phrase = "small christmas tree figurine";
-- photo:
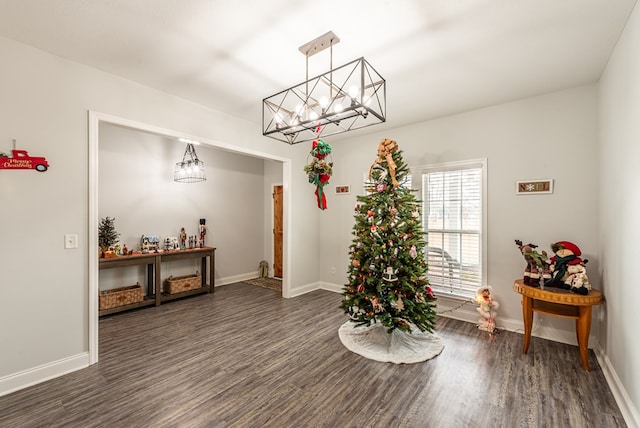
(107, 235)
(387, 273)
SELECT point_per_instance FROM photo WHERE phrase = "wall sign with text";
(534, 187)
(20, 159)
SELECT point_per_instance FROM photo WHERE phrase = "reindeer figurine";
(537, 267)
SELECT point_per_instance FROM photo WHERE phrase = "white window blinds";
(453, 198)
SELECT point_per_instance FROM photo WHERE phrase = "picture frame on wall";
(534, 187)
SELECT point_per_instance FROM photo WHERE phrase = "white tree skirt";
(397, 347)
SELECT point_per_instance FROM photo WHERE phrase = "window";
(453, 215)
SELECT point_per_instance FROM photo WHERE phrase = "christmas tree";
(387, 273)
(107, 234)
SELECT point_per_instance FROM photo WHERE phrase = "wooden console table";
(558, 303)
(154, 261)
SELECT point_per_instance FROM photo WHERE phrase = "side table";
(558, 303)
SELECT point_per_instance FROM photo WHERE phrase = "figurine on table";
(537, 264)
(183, 239)
(203, 231)
(568, 269)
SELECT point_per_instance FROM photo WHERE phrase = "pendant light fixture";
(348, 97)
(191, 169)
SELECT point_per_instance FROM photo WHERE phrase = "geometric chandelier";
(348, 97)
(191, 169)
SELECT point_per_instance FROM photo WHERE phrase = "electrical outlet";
(70, 241)
(333, 270)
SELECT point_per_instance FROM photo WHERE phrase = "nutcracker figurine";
(203, 231)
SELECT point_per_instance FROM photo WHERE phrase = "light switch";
(70, 241)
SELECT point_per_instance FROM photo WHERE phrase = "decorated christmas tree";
(387, 273)
(107, 234)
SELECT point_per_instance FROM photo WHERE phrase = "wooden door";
(277, 231)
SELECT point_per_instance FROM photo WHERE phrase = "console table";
(558, 303)
(153, 261)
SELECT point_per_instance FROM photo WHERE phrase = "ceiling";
(438, 56)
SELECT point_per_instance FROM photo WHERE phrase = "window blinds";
(452, 219)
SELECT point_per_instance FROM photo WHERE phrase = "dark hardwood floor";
(245, 357)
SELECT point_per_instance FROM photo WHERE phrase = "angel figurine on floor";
(487, 309)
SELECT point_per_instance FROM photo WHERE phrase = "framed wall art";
(534, 187)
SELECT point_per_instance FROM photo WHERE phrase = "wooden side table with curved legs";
(558, 303)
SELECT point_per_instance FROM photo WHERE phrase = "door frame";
(97, 118)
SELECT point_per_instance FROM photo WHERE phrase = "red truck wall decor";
(20, 159)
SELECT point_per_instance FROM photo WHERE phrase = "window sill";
(459, 296)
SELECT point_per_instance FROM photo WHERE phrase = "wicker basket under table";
(120, 296)
(178, 284)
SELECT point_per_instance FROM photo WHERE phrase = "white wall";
(550, 136)
(44, 105)
(619, 187)
(136, 187)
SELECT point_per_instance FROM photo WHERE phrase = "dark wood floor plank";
(245, 357)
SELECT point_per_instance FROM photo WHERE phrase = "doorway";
(95, 119)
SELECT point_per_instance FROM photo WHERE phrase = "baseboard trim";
(336, 288)
(304, 289)
(629, 412)
(235, 278)
(39, 374)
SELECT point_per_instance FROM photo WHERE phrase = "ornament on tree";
(416, 212)
(319, 170)
(390, 275)
(429, 292)
(370, 216)
(357, 310)
(374, 231)
(377, 306)
(413, 252)
(398, 305)
(394, 217)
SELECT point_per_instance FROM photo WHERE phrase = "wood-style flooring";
(245, 357)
